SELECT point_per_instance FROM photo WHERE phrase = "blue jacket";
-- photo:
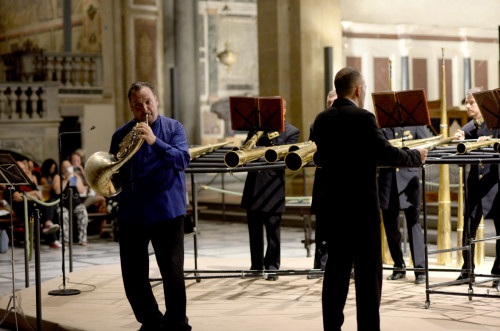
(154, 180)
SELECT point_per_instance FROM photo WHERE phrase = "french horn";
(101, 168)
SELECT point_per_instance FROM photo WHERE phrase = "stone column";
(467, 75)
(187, 63)
(292, 36)
(405, 76)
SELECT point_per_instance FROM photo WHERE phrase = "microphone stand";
(64, 291)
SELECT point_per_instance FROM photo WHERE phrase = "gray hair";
(139, 85)
(474, 90)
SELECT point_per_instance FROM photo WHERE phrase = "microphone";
(64, 290)
(77, 132)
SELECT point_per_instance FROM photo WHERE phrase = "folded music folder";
(489, 106)
(257, 113)
(400, 109)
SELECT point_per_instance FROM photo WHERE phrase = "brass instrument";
(101, 167)
(236, 158)
(444, 203)
(463, 148)
(412, 143)
(275, 153)
(202, 150)
(432, 144)
(496, 147)
(297, 159)
(251, 142)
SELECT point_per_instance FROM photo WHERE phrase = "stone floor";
(291, 303)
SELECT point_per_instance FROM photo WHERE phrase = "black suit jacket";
(350, 147)
(407, 179)
(265, 190)
(483, 181)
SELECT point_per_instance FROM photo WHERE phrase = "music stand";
(489, 106)
(257, 113)
(400, 109)
(11, 174)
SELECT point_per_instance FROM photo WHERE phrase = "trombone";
(275, 153)
(202, 150)
(465, 147)
(297, 159)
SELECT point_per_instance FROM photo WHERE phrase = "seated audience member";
(49, 170)
(76, 160)
(69, 179)
(35, 170)
(46, 212)
(93, 202)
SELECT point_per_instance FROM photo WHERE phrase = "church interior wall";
(135, 40)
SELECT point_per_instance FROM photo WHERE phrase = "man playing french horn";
(152, 206)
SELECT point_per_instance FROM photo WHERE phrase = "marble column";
(467, 75)
(405, 77)
(187, 63)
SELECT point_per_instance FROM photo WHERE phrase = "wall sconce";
(227, 57)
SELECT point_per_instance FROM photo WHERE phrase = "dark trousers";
(320, 251)
(415, 234)
(474, 221)
(364, 251)
(256, 222)
(167, 238)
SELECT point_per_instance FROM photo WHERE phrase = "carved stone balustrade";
(30, 118)
(77, 73)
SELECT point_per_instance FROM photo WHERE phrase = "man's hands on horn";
(145, 132)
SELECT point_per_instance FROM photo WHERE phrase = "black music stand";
(400, 109)
(257, 113)
(11, 174)
(489, 106)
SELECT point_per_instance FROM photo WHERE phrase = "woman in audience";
(69, 179)
(49, 170)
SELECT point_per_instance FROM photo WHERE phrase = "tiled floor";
(291, 303)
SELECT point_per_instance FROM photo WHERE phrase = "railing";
(29, 102)
(77, 73)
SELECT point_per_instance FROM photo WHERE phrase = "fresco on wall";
(92, 35)
(145, 50)
(45, 24)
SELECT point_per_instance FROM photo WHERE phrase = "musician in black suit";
(400, 189)
(350, 147)
(264, 200)
(482, 186)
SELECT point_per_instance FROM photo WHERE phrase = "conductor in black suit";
(400, 189)
(482, 183)
(264, 200)
(350, 147)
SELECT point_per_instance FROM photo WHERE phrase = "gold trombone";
(297, 159)
(431, 144)
(250, 142)
(412, 143)
(245, 153)
(275, 153)
(202, 150)
(463, 148)
(236, 158)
